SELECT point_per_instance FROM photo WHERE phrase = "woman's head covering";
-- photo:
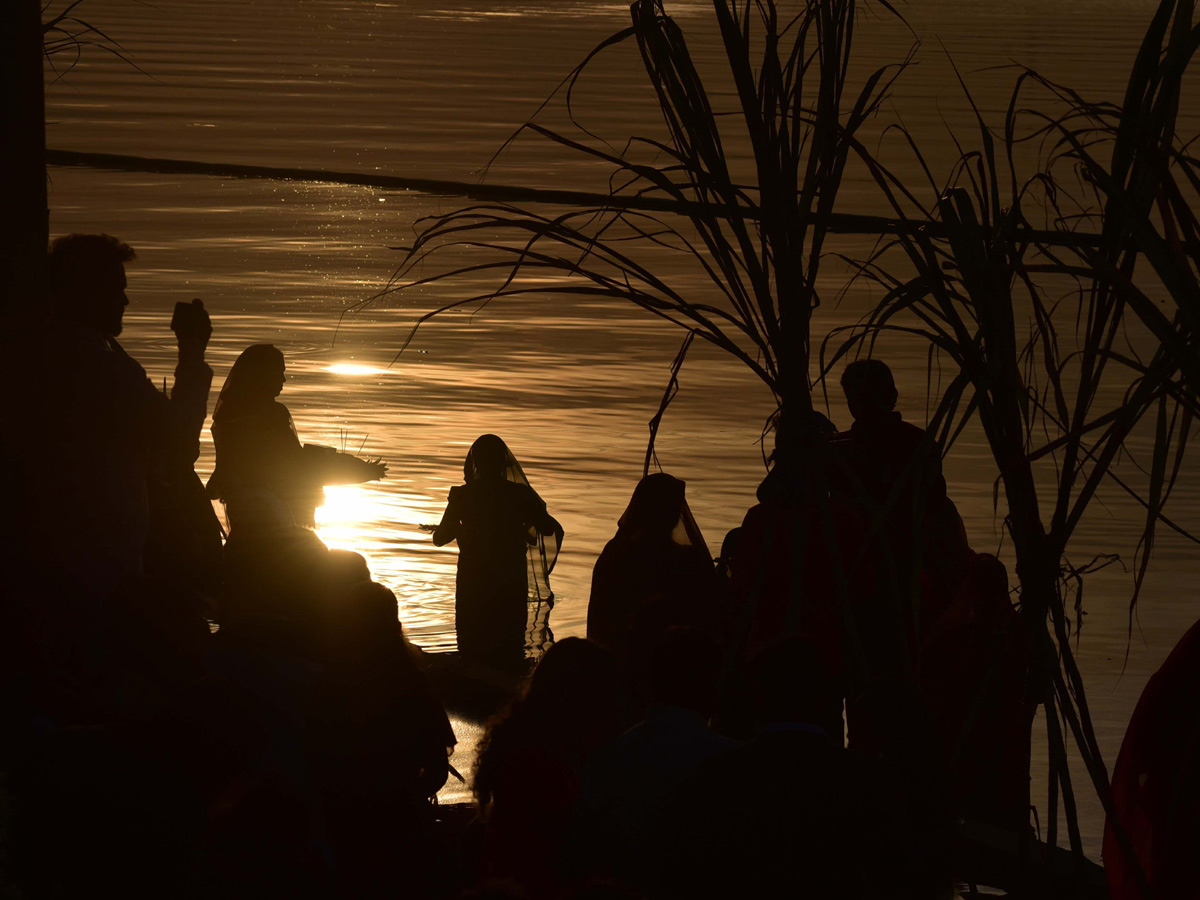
(252, 379)
(489, 457)
(659, 511)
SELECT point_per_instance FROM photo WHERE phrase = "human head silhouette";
(655, 506)
(257, 375)
(869, 388)
(87, 280)
(574, 694)
(487, 458)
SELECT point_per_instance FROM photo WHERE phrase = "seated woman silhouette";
(262, 471)
(507, 545)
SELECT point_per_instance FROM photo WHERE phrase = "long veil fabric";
(542, 552)
(658, 506)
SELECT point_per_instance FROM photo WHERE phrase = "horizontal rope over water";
(842, 223)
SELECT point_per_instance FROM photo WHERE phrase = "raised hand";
(192, 327)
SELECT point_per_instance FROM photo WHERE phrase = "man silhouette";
(87, 434)
(891, 471)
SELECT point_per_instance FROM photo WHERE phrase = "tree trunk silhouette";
(24, 224)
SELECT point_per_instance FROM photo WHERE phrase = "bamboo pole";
(839, 223)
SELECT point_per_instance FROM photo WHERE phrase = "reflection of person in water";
(507, 545)
(260, 462)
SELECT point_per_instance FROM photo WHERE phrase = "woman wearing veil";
(507, 546)
(654, 574)
(263, 474)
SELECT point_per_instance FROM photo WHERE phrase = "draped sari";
(654, 574)
(508, 544)
(263, 474)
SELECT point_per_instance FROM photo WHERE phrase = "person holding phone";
(88, 428)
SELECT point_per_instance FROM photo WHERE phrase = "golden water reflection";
(355, 369)
(569, 385)
(383, 525)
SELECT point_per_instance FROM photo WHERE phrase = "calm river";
(432, 90)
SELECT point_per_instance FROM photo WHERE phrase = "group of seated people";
(816, 711)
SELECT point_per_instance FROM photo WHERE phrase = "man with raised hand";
(92, 426)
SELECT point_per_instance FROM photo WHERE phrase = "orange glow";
(382, 525)
(355, 369)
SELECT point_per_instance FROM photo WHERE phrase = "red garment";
(785, 576)
(889, 468)
(883, 453)
(1156, 783)
(533, 800)
(972, 673)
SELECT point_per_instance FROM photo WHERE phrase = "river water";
(431, 90)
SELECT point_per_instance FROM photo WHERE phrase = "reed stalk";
(760, 247)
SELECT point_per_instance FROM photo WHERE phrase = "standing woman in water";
(507, 545)
(263, 473)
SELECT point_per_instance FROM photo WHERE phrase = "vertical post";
(24, 223)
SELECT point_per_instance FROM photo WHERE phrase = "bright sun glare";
(354, 369)
(347, 513)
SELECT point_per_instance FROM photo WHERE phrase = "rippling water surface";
(429, 90)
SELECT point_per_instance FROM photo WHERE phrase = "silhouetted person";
(626, 779)
(185, 536)
(725, 563)
(507, 546)
(800, 561)
(791, 813)
(891, 723)
(155, 636)
(382, 742)
(973, 666)
(886, 455)
(529, 763)
(260, 461)
(1156, 782)
(279, 587)
(282, 637)
(655, 573)
(946, 556)
(88, 436)
(891, 471)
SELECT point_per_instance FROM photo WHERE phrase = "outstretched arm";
(447, 529)
(329, 466)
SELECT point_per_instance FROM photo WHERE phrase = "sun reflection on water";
(345, 519)
(382, 525)
(355, 369)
